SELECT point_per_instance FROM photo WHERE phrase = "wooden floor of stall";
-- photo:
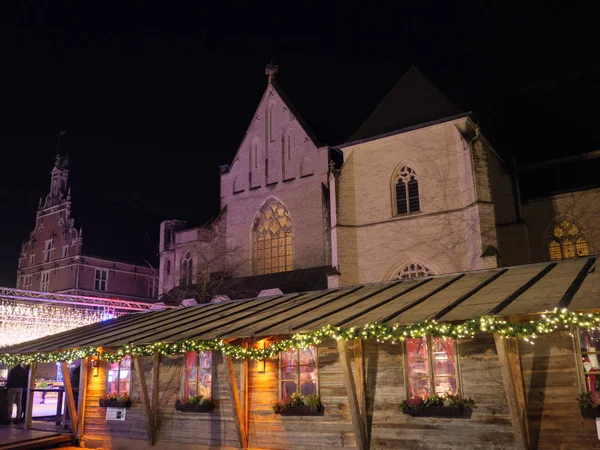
(43, 435)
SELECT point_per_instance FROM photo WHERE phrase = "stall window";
(198, 374)
(119, 377)
(298, 372)
(589, 341)
(431, 367)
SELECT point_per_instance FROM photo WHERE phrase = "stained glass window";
(298, 371)
(273, 240)
(431, 365)
(567, 241)
(407, 191)
(119, 377)
(412, 270)
(198, 374)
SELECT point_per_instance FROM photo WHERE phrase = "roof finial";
(271, 71)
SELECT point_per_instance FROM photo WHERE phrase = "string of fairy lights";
(528, 331)
(21, 321)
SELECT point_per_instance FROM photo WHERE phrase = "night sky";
(154, 96)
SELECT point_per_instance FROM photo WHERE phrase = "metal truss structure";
(113, 304)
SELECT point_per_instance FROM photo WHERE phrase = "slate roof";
(511, 291)
(414, 100)
(300, 280)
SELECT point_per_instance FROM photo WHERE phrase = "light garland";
(528, 331)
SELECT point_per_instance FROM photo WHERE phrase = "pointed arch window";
(187, 267)
(406, 191)
(412, 270)
(567, 241)
(273, 239)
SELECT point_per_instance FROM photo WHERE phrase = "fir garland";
(528, 331)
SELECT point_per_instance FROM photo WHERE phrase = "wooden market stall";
(423, 336)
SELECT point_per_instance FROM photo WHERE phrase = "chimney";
(271, 71)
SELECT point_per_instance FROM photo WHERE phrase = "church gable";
(278, 145)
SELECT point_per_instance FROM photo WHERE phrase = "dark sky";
(155, 95)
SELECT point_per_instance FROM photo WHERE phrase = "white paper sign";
(598, 426)
(115, 413)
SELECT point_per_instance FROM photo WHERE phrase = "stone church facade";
(53, 258)
(417, 190)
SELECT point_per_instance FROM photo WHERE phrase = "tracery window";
(406, 191)
(567, 241)
(273, 240)
(431, 367)
(298, 372)
(412, 270)
(198, 374)
(187, 267)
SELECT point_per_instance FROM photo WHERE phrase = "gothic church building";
(418, 190)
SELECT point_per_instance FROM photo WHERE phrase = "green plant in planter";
(278, 407)
(589, 400)
(296, 399)
(194, 399)
(313, 400)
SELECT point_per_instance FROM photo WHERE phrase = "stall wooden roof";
(511, 291)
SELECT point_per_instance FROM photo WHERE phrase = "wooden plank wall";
(273, 431)
(215, 429)
(549, 378)
(488, 428)
(551, 389)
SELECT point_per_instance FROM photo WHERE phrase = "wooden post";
(357, 423)
(139, 370)
(83, 378)
(244, 373)
(70, 397)
(512, 379)
(361, 380)
(238, 417)
(30, 394)
(155, 388)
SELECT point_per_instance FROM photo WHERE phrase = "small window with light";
(119, 377)
(198, 374)
(298, 372)
(431, 367)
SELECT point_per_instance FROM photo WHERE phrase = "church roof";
(414, 100)
(299, 280)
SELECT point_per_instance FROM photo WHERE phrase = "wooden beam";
(357, 423)
(139, 370)
(70, 397)
(512, 379)
(155, 389)
(238, 417)
(29, 393)
(244, 378)
(83, 378)
(361, 380)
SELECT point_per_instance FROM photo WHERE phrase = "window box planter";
(194, 408)
(303, 410)
(435, 411)
(114, 403)
(590, 413)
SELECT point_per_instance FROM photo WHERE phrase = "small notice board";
(115, 413)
